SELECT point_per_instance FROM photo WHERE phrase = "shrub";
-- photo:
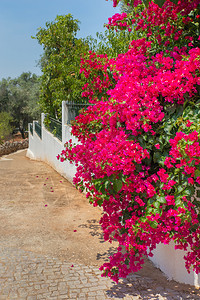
(139, 150)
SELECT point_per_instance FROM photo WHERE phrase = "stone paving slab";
(25, 275)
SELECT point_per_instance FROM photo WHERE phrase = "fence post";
(29, 129)
(64, 120)
(42, 119)
(34, 125)
(43, 115)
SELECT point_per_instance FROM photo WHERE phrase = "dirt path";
(43, 213)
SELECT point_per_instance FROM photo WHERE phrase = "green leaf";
(154, 224)
(151, 201)
(178, 201)
(100, 202)
(107, 184)
(179, 111)
(147, 161)
(197, 173)
(151, 140)
(156, 156)
(117, 185)
(157, 204)
(180, 188)
(161, 199)
(102, 189)
(168, 127)
(148, 210)
(143, 219)
(189, 191)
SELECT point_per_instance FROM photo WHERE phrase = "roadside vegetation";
(139, 143)
(19, 99)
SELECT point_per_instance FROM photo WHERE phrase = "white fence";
(46, 148)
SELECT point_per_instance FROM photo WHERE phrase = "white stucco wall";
(48, 147)
(172, 264)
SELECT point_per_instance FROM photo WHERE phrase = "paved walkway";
(29, 271)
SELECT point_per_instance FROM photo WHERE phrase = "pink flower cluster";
(95, 68)
(185, 154)
(118, 20)
(123, 137)
(162, 25)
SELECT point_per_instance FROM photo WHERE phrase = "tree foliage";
(19, 97)
(5, 125)
(60, 63)
(112, 42)
(4, 95)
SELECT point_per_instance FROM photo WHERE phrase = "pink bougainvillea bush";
(139, 143)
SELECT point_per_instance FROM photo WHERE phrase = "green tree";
(19, 97)
(24, 95)
(4, 95)
(5, 125)
(60, 63)
(114, 42)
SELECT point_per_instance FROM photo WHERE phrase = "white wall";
(48, 147)
(169, 260)
(172, 264)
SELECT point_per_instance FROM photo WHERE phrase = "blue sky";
(20, 19)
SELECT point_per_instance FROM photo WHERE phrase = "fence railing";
(55, 127)
(31, 128)
(74, 110)
(38, 129)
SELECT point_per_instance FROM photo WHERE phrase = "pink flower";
(163, 175)
(198, 180)
(170, 200)
(157, 146)
(191, 180)
(188, 124)
(169, 185)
